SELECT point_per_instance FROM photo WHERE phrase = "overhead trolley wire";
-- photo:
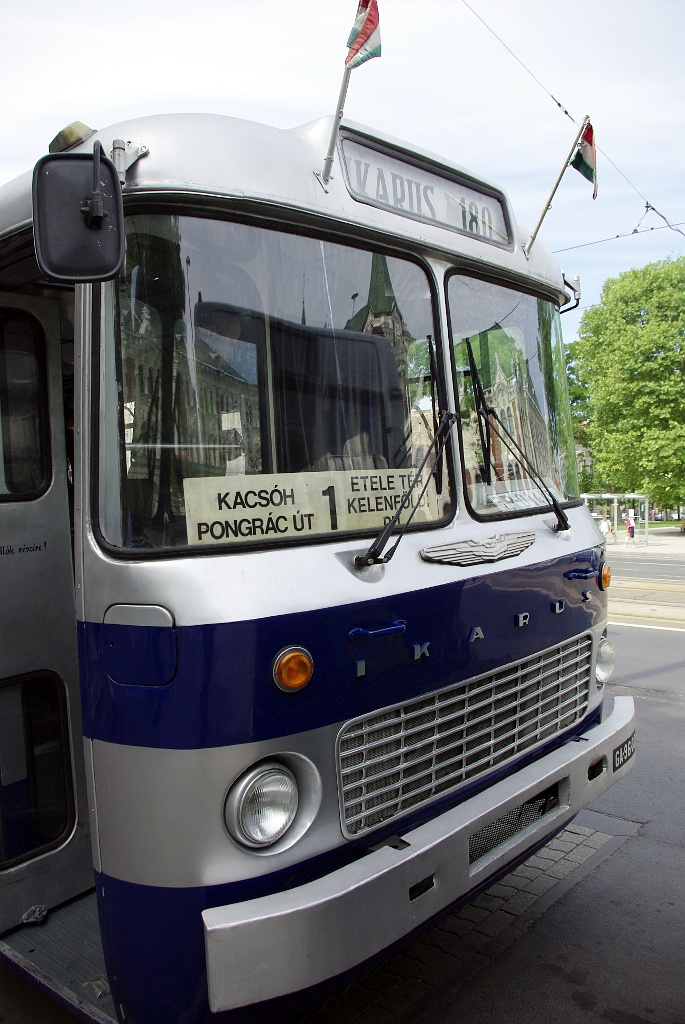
(518, 59)
(623, 234)
(648, 206)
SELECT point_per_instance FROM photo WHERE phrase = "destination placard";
(382, 180)
(267, 507)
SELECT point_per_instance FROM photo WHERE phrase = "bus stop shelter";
(640, 508)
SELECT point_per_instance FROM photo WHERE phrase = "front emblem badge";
(476, 634)
(479, 552)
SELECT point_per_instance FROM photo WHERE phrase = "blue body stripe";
(222, 692)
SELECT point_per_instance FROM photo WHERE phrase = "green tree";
(630, 358)
(580, 415)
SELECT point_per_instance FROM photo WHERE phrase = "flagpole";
(328, 162)
(529, 244)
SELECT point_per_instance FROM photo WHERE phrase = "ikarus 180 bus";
(304, 628)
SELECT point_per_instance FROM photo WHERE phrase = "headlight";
(261, 806)
(605, 661)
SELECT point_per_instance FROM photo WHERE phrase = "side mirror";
(78, 216)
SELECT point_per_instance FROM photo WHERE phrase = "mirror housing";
(78, 217)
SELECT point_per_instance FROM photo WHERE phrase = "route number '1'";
(332, 508)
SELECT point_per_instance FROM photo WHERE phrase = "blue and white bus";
(304, 626)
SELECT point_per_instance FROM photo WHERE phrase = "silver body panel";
(233, 587)
(275, 945)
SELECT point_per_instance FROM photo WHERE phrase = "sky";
(443, 83)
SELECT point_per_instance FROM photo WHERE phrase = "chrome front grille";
(403, 756)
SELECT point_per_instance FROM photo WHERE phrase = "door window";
(23, 409)
(36, 808)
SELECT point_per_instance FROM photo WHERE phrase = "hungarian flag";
(585, 159)
(365, 37)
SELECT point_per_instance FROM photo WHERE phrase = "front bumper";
(274, 945)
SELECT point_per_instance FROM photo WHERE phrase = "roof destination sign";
(375, 177)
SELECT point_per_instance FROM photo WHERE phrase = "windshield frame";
(525, 287)
(226, 213)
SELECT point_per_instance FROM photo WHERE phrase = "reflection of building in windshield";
(226, 343)
(214, 398)
(517, 405)
(510, 391)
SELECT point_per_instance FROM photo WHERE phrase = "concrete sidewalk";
(660, 541)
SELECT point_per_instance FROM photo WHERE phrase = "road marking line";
(639, 625)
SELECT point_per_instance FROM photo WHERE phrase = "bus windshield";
(516, 345)
(262, 386)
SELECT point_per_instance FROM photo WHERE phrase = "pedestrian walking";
(605, 527)
(630, 530)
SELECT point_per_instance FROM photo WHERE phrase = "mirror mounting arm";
(124, 155)
(93, 209)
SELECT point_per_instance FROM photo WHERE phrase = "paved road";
(603, 941)
(627, 566)
(588, 931)
(652, 565)
(648, 584)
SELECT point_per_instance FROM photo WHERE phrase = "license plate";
(624, 753)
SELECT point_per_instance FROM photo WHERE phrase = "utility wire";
(623, 234)
(518, 59)
(648, 206)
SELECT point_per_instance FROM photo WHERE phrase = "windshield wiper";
(481, 415)
(485, 425)
(374, 555)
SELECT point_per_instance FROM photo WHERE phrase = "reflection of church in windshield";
(381, 315)
(511, 393)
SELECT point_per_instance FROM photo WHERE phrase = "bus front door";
(45, 855)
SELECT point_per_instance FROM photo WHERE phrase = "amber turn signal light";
(292, 669)
(605, 575)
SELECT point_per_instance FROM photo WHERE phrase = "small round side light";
(604, 576)
(292, 669)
